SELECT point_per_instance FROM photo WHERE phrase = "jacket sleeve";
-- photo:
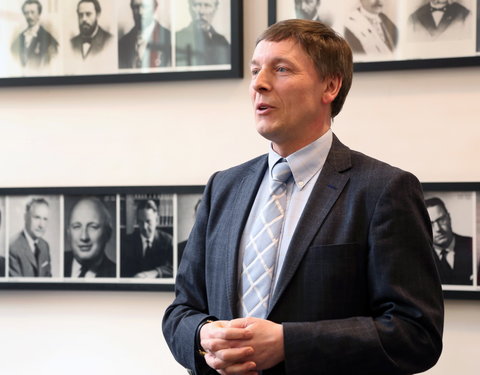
(402, 334)
(190, 307)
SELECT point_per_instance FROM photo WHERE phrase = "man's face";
(143, 12)
(31, 13)
(87, 231)
(203, 11)
(372, 6)
(441, 226)
(87, 18)
(147, 220)
(286, 93)
(309, 8)
(438, 3)
(36, 220)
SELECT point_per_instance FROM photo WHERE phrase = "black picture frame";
(110, 71)
(462, 201)
(419, 60)
(176, 206)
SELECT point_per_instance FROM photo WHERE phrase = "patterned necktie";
(261, 249)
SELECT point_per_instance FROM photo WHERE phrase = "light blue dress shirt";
(306, 165)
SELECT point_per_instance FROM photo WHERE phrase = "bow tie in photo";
(87, 39)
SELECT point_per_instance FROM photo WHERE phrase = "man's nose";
(262, 81)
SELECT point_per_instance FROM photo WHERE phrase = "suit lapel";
(28, 253)
(325, 193)
(244, 198)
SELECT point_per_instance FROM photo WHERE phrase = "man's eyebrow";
(274, 61)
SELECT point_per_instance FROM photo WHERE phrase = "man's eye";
(255, 72)
(282, 69)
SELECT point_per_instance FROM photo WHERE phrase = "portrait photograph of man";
(34, 236)
(34, 47)
(204, 40)
(143, 41)
(315, 10)
(369, 30)
(89, 30)
(90, 245)
(147, 243)
(452, 223)
(441, 19)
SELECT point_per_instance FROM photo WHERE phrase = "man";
(438, 16)
(89, 230)
(34, 47)
(329, 272)
(369, 31)
(92, 39)
(453, 253)
(147, 44)
(29, 253)
(199, 43)
(148, 250)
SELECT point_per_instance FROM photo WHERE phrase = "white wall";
(179, 133)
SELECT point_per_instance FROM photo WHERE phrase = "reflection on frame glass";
(69, 41)
(94, 237)
(389, 34)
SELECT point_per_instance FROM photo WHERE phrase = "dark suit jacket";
(462, 272)
(158, 52)
(41, 50)
(359, 291)
(161, 258)
(98, 43)
(106, 268)
(422, 17)
(22, 261)
(195, 47)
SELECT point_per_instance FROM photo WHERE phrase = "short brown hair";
(329, 52)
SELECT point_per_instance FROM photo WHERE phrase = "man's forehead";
(86, 210)
(285, 49)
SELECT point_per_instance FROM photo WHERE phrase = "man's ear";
(332, 87)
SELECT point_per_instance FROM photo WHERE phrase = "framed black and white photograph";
(126, 238)
(389, 34)
(105, 41)
(454, 209)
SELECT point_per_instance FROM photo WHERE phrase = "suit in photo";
(159, 257)
(97, 43)
(363, 37)
(158, 49)
(107, 268)
(22, 261)
(40, 52)
(195, 46)
(359, 277)
(462, 272)
(2, 266)
(422, 18)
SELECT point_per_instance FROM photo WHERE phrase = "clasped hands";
(242, 346)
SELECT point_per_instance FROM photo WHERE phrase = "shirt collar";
(373, 17)
(32, 31)
(30, 240)
(449, 248)
(306, 162)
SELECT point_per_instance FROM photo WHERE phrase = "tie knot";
(281, 171)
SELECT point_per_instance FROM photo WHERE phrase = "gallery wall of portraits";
(389, 34)
(123, 241)
(117, 38)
